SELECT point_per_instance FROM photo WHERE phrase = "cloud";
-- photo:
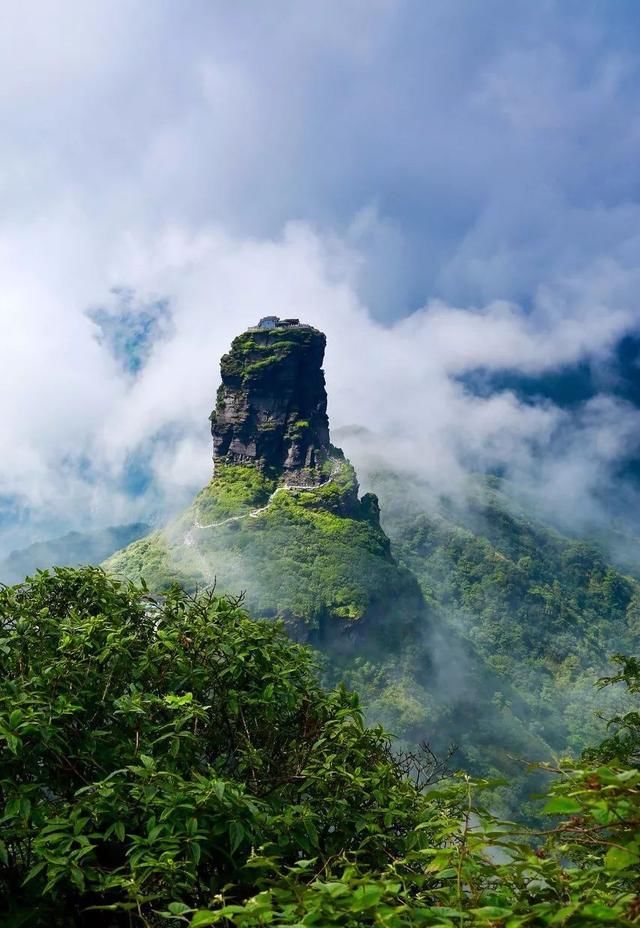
(80, 422)
(439, 188)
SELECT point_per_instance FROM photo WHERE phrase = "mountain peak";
(271, 407)
(281, 518)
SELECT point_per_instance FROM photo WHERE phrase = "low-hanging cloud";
(440, 189)
(82, 418)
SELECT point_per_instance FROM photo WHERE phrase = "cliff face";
(271, 407)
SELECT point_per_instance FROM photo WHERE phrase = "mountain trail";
(189, 538)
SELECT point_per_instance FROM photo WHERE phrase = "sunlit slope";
(313, 554)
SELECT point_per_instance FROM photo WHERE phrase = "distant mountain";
(69, 550)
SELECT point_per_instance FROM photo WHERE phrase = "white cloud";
(344, 168)
(70, 400)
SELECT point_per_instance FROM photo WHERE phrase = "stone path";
(190, 541)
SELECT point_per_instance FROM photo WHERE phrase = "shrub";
(147, 747)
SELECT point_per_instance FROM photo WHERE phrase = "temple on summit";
(274, 322)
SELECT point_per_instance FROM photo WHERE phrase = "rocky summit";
(271, 407)
(281, 520)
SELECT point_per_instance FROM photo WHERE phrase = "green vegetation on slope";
(518, 623)
(313, 556)
(172, 762)
(543, 611)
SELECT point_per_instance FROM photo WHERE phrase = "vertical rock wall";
(271, 408)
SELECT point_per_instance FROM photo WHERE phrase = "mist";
(168, 180)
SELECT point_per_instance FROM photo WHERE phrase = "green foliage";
(519, 622)
(316, 557)
(150, 558)
(543, 611)
(172, 762)
(623, 730)
(235, 490)
(148, 748)
(459, 866)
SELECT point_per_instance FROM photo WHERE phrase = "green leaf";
(236, 832)
(620, 858)
(203, 918)
(35, 870)
(491, 912)
(562, 915)
(560, 805)
(333, 888)
(363, 897)
(602, 913)
(443, 911)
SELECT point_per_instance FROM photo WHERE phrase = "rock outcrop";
(271, 408)
(281, 518)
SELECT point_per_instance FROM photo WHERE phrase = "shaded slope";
(545, 612)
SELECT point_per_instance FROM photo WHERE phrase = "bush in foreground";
(174, 762)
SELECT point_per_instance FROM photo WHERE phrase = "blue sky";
(441, 186)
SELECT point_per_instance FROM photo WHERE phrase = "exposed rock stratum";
(271, 408)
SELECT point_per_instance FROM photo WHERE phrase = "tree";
(173, 762)
(148, 746)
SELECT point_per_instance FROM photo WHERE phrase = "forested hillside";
(314, 556)
(544, 611)
(461, 622)
(69, 550)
